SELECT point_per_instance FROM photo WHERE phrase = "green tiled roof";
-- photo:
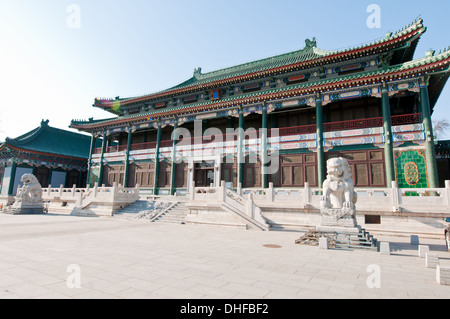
(384, 72)
(306, 54)
(309, 53)
(50, 140)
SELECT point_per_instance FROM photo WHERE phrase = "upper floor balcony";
(306, 131)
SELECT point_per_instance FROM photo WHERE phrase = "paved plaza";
(57, 256)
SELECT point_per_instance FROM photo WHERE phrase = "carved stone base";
(342, 222)
(337, 229)
(338, 217)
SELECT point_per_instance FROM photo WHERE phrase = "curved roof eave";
(414, 30)
(409, 68)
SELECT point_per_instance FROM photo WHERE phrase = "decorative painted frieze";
(412, 137)
(285, 103)
(291, 146)
(290, 138)
(396, 87)
(408, 128)
(351, 133)
(353, 141)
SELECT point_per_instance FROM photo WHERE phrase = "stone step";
(371, 247)
(176, 214)
(174, 221)
(137, 210)
(362, 240)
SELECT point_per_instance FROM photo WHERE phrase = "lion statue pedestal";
(29, 197)
(337, 205)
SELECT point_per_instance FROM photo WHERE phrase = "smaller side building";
(55, 156)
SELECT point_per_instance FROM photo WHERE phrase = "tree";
(440, 128)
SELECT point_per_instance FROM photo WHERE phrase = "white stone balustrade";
(214, 201)
(96, 201)
(401, 210)
(394, 200)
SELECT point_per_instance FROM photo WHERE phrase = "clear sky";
(58, 55)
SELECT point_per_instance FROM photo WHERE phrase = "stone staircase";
(167, 210)
(135, 210)
(362, 240)
(175, 214)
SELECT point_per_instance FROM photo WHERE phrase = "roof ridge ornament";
(430, 53)
(309, 44)
(197, 73)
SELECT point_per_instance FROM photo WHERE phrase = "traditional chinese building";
(56, 157)
(279, 119)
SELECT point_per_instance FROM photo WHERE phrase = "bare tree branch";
(440, 128)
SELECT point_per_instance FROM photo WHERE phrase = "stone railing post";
(192, 194)
(95, 190)
(79, 202)
(137, 190)
(249, 206)
(115, 189)
(49, 191)
(307, 195)
(74, 188)
(222, 191)
(60, 190)
(447, 192)
(269, 193)
(396, 197)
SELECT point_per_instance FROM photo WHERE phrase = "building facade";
(278, 120)
(56, 157)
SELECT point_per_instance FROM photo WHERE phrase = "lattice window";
(295, 170)
(368, 168)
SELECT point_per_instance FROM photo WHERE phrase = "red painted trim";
(296, 78)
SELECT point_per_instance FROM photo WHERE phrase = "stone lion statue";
(338, 189)
(30, 192)
(337, 204)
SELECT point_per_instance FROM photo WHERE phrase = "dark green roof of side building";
(53, 141)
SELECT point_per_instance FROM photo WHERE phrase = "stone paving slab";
(117, 258)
